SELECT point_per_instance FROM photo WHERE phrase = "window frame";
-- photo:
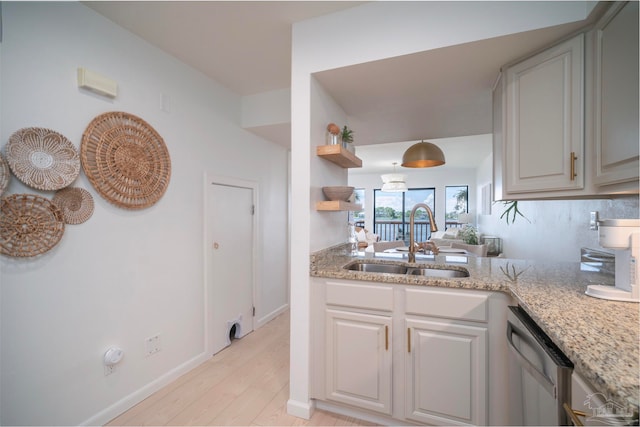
(449, 221)
(404, 218)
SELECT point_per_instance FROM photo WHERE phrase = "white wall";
(553, 230)
(376, 30)
(123, 275)
(330, 226)
(324, 110)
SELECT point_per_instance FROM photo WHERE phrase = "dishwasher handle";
(542, 379)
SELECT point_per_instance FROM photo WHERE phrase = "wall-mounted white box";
(97, 83)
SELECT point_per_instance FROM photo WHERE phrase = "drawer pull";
(386, 337)
(574, 414)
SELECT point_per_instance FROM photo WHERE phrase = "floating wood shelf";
(339, 155)
(337, 205)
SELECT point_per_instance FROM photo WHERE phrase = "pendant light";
(423, 155)
(394, 182)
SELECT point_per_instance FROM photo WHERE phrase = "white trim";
(205, 267)
(300, 409)
(361, 415)
(269, 317)
(126, 403)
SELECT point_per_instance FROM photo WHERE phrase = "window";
(456, 198)
(392, 210)
(358, 216)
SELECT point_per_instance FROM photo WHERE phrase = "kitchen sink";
(370, 267)
(374, 267)
(437, 272)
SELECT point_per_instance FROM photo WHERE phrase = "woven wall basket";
(5, 175)
(29, 225)
(42, 158)
(76, 204)
(125, 160)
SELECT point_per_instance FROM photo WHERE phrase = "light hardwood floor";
(245, 384)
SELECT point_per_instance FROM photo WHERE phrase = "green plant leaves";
(511, 210)
(469, 235)
(347, 134)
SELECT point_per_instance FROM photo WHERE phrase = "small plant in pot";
(469, 235)
(347, 139)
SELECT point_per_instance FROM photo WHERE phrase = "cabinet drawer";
(372, 297)
(453, 303)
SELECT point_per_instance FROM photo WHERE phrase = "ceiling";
(243, 45)
(246, 46)
(439, 93)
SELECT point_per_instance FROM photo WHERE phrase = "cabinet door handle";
(386, 337)
(573, 414)
(408, 340)
(572, 172)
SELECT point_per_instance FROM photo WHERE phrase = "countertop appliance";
(623, 236)
(539, 374)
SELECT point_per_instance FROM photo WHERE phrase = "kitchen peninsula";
(600, 337)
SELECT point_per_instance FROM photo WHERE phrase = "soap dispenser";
(352, 239)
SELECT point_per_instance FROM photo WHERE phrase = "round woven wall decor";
(125, 160)
(42, 158)
(29, 225)
(5, 174)
(75, 203)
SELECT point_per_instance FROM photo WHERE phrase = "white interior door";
(230, 273)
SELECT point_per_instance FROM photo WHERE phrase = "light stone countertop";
(600, 337)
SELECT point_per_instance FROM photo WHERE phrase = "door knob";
(215, 245)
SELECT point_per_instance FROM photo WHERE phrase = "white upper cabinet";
(565, 122)
(543, 128)
(616, 95)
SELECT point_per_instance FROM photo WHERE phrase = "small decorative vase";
(333, 139)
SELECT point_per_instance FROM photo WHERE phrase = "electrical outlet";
(109, 369)
(152, 345)
(593, 220)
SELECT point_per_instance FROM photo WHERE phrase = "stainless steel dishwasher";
(539, 374)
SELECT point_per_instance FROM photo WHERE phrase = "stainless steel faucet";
(432, 222)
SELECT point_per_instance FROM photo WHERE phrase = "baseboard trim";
(361, 415)
(126, 403)
(275, 313)
(300, 409)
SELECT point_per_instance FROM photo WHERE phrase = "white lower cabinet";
(446, 373)
(420, 355)
(586, 401)
(358, 359)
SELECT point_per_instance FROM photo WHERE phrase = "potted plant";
(469, 235)
(347, 139)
